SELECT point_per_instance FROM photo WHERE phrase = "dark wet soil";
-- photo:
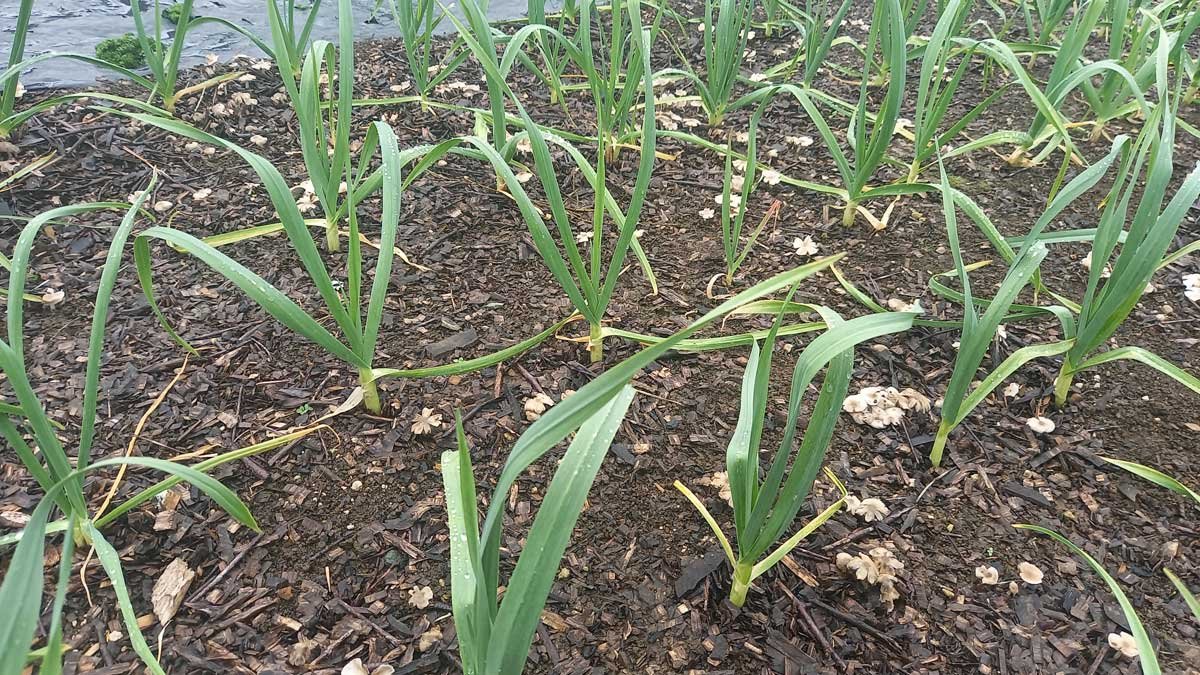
(353, 519)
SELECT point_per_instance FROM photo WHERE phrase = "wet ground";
(354, 522)
(77, 26)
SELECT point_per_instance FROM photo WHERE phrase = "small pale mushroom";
(911, 399)
(1191, 287)
(53, 297)
(872, 509)
(1124, 643)
(536, 405)
(420, 596)
(1040, 425)
(856, 403)
(805, 246)
(426, 422)
(1029, 573)
(988, 575)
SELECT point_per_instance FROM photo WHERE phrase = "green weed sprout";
(173, 12)
(763, 511)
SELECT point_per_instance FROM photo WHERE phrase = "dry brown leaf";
(170, 588)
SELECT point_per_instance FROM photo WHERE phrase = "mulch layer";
(353, 554)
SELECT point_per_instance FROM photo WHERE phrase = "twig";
(208, 585)
(857, 623)
(358, 613)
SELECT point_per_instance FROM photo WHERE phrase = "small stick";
(857, 623)
(529, 378)
(208, 585)
(811, 626)
(358, 613)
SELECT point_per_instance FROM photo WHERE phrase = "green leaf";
(1146, 654)
(111, 561)
(472, 613)
(1188, 596)
(1154, 476)
(520, 612)
(1148, 358)
(264, 294)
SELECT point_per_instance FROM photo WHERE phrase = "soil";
(352, 517)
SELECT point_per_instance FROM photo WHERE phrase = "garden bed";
(353, 518)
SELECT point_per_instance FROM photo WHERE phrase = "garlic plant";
(763, 510)
(494, 635)
(60, 476)
(1143, 237)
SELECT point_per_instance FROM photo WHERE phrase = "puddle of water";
(79, 25)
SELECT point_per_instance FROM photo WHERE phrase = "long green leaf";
(561, 419)
(529, 586)
(1146, 654)
(1154, 476)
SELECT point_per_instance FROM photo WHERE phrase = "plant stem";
(914, 171)
(81, 538)
(741, 583)
(370, 391)
(1062, 383)
(939, 443)
(596, 344)
(331, 236)
(849, 212)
